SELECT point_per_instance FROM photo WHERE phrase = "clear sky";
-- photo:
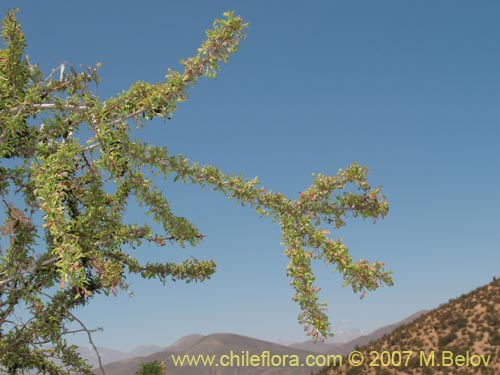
(410, 89)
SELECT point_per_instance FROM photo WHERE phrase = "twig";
(90, 340)
(30, 269)
(125, 117)
(67, 107)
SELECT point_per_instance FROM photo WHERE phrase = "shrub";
(151, 368)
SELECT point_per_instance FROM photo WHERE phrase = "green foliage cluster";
(79, 188)
(151, 368)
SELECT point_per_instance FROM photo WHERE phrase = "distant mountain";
(109, 355)
(346, 335)
(338, 339)
(343, 346)
(347, 347)
(318, 347)
(184, 343)
(217, 345)
(463, 337)
(144, 350)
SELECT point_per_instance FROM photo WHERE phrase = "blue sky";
(409, 89)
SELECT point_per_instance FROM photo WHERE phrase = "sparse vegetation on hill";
(465, 326)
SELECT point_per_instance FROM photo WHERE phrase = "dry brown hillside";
(216, 345)
(463, 335)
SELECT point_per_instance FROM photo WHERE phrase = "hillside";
(110, 355)
(216, 344)
(343, 348)
(467, 326)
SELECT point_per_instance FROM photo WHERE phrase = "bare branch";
(52, 106)
(125, 117)
(90, 340)
(29, 269)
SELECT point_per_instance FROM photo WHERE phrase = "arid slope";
(464, 327)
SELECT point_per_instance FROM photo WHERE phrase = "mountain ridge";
(471, 321)
(221, 343)
(344, 348)
(216, 345)
(441, 341)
